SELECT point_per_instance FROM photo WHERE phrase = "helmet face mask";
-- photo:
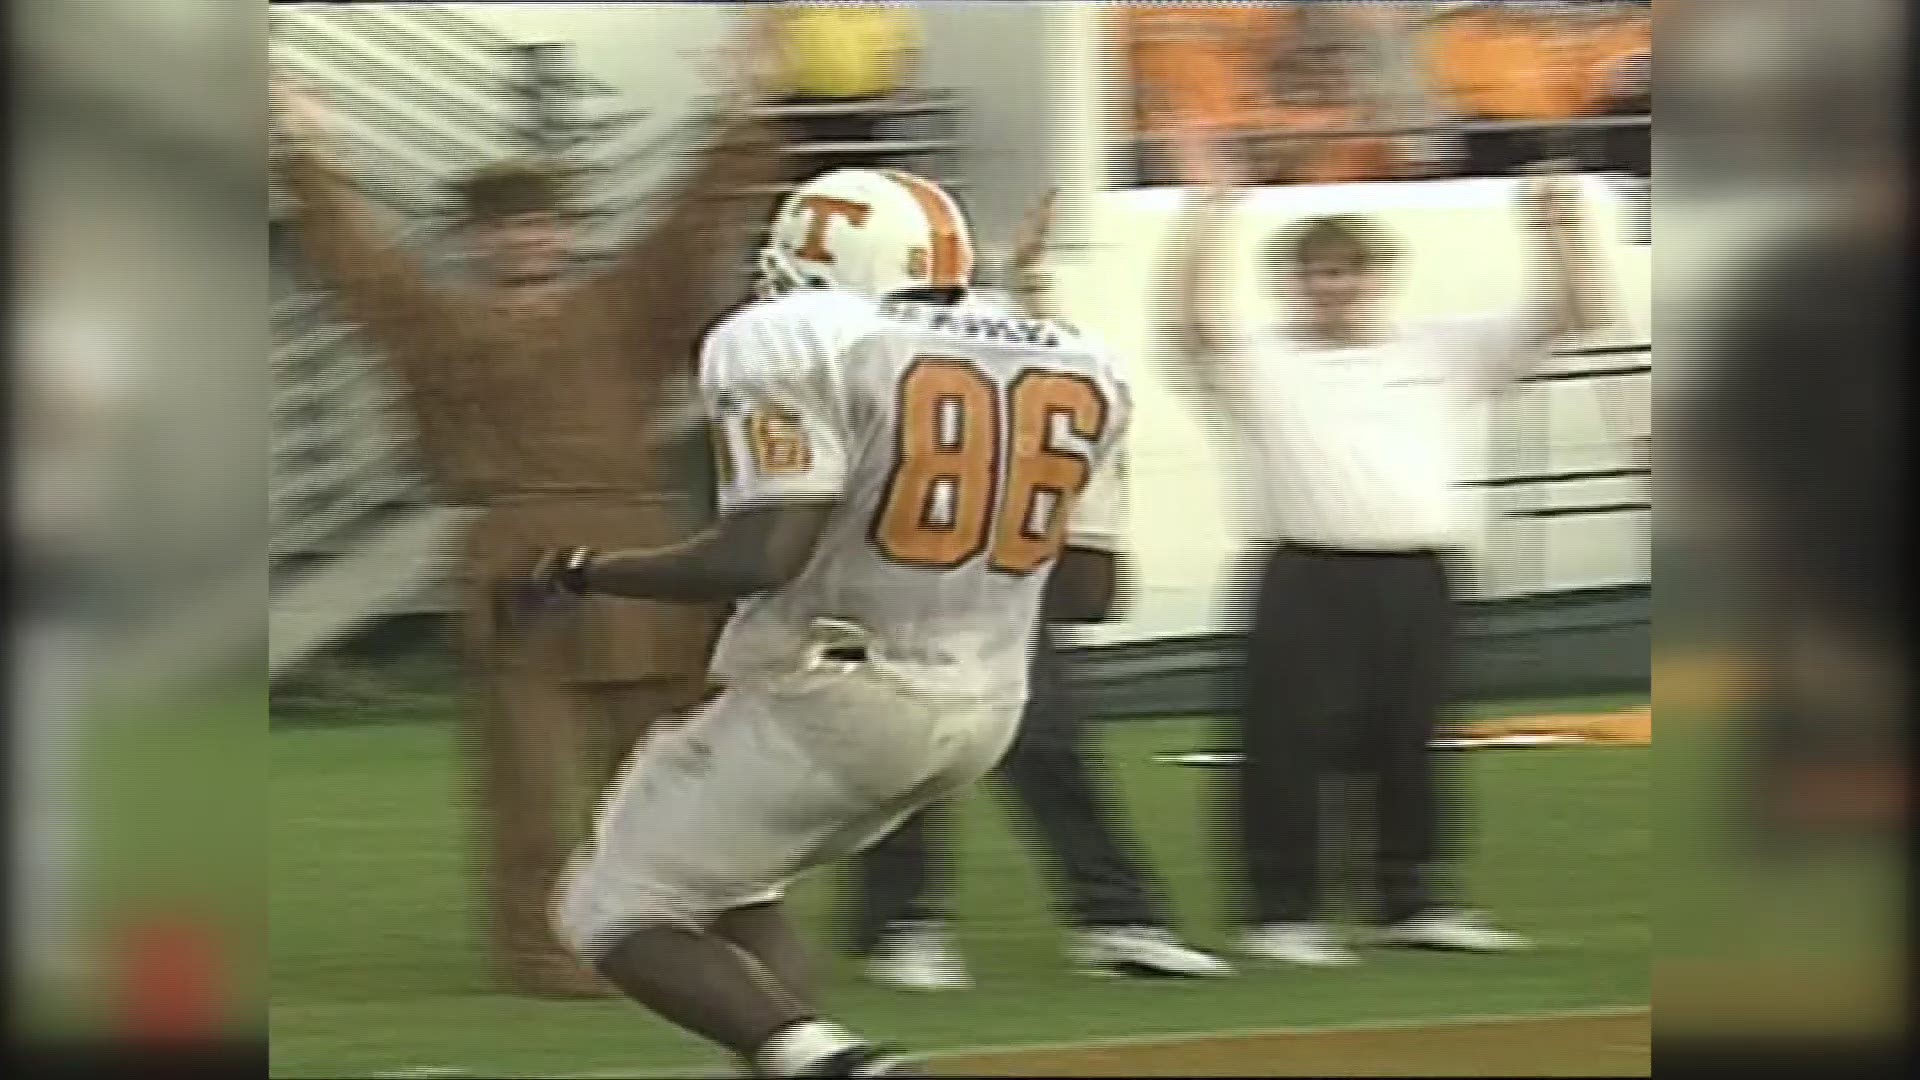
(774, 274)
(870, 232)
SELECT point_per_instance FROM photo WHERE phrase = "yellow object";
(848, 51)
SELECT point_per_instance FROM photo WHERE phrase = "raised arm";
(671, 276)
(381, 285)
(1028, 278)
(677, 257)
(1569, 294)
(1200, 320)
(1200, 324)
(1564, 299)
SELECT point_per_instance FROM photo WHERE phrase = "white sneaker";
(918, 957)
(1307, 944)
(1146, 951)
(1452, 929)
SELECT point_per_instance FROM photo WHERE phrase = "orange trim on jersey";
(952, 252)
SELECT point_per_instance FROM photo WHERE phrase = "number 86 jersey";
(962, 447)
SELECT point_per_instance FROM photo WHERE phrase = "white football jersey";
(963, 447)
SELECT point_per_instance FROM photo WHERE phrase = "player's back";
(956, 442)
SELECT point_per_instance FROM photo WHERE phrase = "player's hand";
(1548, 197)
(1028, 276)
(746, 68)
(1200, 156)
(1035, 232)
(559, 574)
(297, 112)
(1632, 79)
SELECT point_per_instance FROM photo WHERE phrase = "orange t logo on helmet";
(825, 208)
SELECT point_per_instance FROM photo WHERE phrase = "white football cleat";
(1144, 951)
(1451, 929)
(918, 957)
(1307, 944)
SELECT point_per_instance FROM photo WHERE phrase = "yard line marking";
(1172, 1038)
(1175, 1038)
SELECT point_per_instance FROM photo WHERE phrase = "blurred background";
(154, 608)
(138, 549)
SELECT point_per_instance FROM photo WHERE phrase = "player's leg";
(1105, 889)
(714, 817)
(680, 844)
(901, 885)
(1412, 635)
(1101, 882)
(895, 881)
(1300, 670)
(1418, 810)
(764, 932)
(527, 805)
(524, 798)
(741, 982)
(1050, 769)
(900, 879)
(737, 983)
(703, 982)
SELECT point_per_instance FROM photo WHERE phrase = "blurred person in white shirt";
(1346, 426)
(70, 410)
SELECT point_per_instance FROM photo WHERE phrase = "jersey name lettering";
(1004, 330)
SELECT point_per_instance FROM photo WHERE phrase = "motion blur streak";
(1782, 639)
(138, 620)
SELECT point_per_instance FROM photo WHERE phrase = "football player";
(902, 467)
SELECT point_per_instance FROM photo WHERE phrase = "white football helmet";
(868, 231)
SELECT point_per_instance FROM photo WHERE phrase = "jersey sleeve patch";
(776, 426)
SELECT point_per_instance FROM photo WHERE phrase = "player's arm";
(1200, 322)
(1028, 278)
(381, 284)
(1569, 301)
(1085, 586)
(749, 551)
(781, 467)
(1210, 355)
(671, 276)
(1565, 299)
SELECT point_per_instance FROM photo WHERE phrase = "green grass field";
(375, 965)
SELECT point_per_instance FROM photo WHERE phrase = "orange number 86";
(944, 504)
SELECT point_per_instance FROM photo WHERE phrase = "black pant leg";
(1296, 690)
(1415, 786)
(1051, 771)
(905, 877)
